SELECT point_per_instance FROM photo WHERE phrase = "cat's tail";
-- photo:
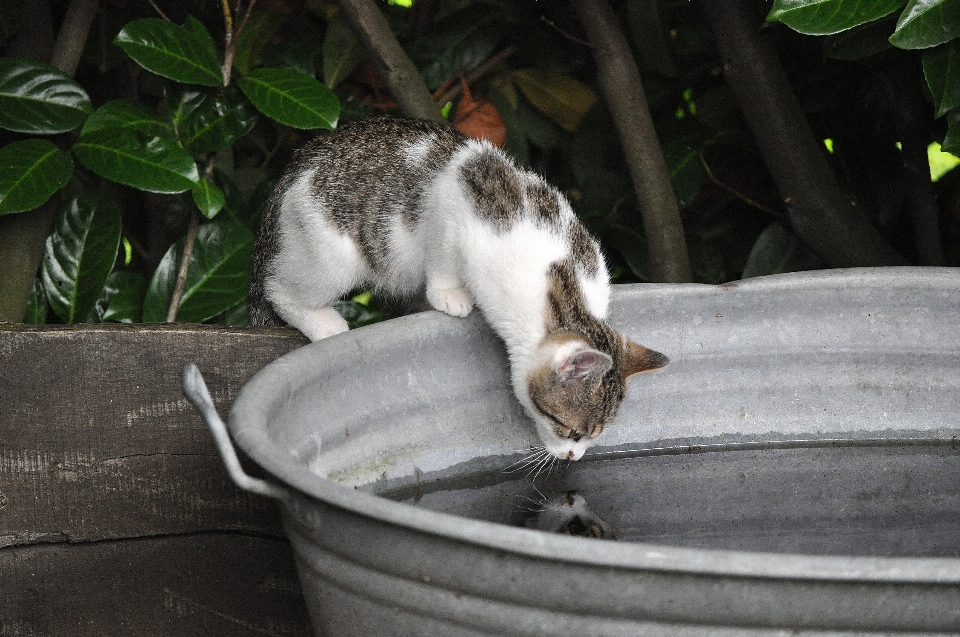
(265, 250)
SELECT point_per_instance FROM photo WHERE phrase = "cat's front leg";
(448, 295)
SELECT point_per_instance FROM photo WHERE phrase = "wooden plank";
(97, 441)
(187, 586)
(116, 515)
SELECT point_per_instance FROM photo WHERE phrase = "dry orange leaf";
(479, 119)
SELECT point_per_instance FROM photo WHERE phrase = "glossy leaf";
(30, 172)
(559, 97)
(927, 23)
(217, 120)
(825, 17)
(127, 114)
(184, 53)
(778, 250)
(80, 253)
(860, 42)
(181, 100)
(342, 51)
(941, 68)
(291, 98)
(39, 99)
(457, 44)
(122, 298)
(237, 316)
(217, 279)
(152, 164)
(209, 199)
(37, 307)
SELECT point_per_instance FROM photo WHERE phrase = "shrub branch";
(619, 79)
(400, 75)
(820, 213)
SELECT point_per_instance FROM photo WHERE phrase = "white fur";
(460, 258)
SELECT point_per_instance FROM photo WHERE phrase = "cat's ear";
(637, 359)
(581, 363)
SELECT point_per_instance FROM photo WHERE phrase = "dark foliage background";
(154, 159)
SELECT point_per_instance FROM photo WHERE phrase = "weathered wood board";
(116, 515)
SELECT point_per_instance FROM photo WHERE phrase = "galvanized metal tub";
(796, 469)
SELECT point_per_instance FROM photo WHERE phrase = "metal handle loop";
(195, 389)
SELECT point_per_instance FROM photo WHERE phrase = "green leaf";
(122, 298)
(941, 68)
(209, 199)
(182, 53)
(181, 101)
(358, 314)
(131, 115)
(236, 316)
(825, 17)
(778, 250)
(686, 170)
(860, 42)
(254, 38)
(30, 172)
(298, 49)
(37, 307)
(217, 279)
(217, 121)
(457, 44)
(559, 97)
(940, 162)
(927, 23)
(39, 99)
(80, 253)
(152, 164)
(342, 51)
(951, 143)
(292, 98)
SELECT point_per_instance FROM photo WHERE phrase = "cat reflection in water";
(405, 206)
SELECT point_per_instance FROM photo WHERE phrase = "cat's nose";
(575, 436)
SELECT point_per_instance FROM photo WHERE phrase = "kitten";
(406, 205)
(569, 514)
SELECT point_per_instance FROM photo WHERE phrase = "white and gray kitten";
(405, 206)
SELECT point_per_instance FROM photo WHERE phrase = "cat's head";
(575, 388)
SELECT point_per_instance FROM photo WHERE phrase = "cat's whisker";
(545, 462)
(530, 460)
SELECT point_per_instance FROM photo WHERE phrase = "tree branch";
(401, 77)
(619, 79)
(185, 258)
(819, 210)
(72, 38)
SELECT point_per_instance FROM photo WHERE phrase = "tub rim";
(287, 373)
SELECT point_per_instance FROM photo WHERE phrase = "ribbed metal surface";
(773, 383)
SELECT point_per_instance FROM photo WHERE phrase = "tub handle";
(195, 389)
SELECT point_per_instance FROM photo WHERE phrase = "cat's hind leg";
(317, 323)
(315, 265)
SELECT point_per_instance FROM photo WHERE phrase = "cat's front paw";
(453, 301)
